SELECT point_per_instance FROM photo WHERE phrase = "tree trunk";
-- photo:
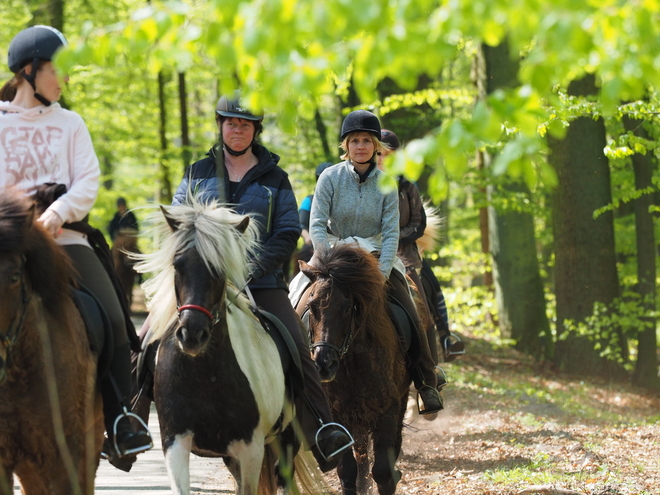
(512, 243)
(646, 367)
(186, 153)
(165, 186)
(585, 263)
(323, 135)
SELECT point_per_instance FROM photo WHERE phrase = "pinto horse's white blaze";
(177, 461)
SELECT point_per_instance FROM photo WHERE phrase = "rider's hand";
(52, 222)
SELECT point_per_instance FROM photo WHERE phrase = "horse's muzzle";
(192, 342)
(327, 363)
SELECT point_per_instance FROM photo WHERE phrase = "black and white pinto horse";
(219, 387)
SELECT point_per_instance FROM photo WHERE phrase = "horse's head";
(346, 305)
(205, 247)
(200, 300)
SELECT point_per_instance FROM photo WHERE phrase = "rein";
(348, 339)
(11, 336)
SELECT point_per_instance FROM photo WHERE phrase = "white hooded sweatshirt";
(50, 144)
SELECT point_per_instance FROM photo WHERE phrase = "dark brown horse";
(51, 427)
(125, 243)
(361, 362)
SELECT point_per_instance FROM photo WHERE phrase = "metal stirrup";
(340, 449)
(136, 450)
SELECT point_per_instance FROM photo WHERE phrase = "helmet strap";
(31, 78)
(237, 153)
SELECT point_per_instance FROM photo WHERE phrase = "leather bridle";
(348, 339)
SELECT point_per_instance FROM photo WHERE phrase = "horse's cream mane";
(432, 231)
(211, 229)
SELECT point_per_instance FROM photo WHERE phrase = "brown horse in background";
(51, 427)
(125, 243)
(360, 360)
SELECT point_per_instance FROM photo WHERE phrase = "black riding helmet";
(228, 107)
(321, 168)
(360, 121)
(31, 46)
(388, 137)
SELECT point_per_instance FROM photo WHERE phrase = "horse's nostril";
(204, 337)
(182, 334)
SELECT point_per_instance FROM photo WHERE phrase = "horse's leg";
(387, 445)
(361, 448)
(286, 450)
(250, 457)
(347, 470)
(177, 460)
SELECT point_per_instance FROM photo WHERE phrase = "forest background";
(531, 124)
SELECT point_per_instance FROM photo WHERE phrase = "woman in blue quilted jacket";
(244, 174)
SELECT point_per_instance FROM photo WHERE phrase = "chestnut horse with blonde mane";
(51, 428)
(361, 361)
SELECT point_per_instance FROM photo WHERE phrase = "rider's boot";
(332, 442)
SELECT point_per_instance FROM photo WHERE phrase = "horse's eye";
(15, 277)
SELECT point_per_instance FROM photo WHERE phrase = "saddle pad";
(98, 328)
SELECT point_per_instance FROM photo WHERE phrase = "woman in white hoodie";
(42, 143)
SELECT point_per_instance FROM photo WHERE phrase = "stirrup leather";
(339, 450)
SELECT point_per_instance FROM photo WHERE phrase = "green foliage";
(629, 314)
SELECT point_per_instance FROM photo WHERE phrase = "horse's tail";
(308, 475)
(432, 232)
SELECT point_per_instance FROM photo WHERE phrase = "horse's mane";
(356, 273)
(211, 229)
(48, 268)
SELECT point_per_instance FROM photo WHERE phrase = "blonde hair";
(379, 146)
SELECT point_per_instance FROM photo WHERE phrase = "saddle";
(406, 329)
(285, 346)
(97, 323)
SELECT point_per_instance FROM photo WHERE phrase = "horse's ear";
(171, 221)
(242, 227)
(307, 270)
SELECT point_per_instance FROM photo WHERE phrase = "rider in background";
(124, 219)
(307, 249)
(412, 222)
(244, 174)
(40, 144)
(348, 203)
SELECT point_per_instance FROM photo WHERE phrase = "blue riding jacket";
(265, 191)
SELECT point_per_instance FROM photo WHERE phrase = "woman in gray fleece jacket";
(348, 203)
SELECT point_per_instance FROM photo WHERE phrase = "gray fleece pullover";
(347, 208)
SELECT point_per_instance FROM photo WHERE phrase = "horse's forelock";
(211, 229)
(356, 273)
